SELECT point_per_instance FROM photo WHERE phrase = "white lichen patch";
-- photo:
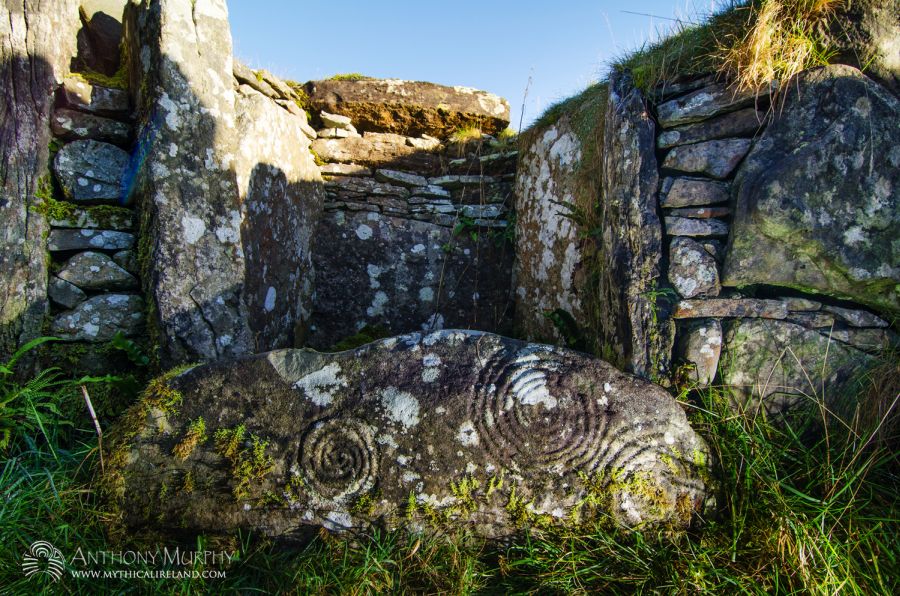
(400, 407)
(319, 386)
(467, 435)
(193, 228)
(363, 232)
(378, 304)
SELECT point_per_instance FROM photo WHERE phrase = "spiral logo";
(527, 411)
(43, 557)
(339, 458)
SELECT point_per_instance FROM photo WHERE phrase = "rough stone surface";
(549, 253)
(683, 226)
(705, 103)
(742, 123)
(37, 42)
(99, 39)
(70, 125)
(378, 150)
(692, 270)
(77, 93)
(64, 293)
(866, 34)
(777, 365)
(410, 108)
(857, 318)
(700, 212)
(401, 425)
(127, 260)
(336, 133)
(119, 219)
(100, 318)
(633, 325)
(335, 121)
(817, 198)
(90, 171)
(405, 275)
(88, 239)
(716, 158)
(692, 192)
(281, 202)
(345, 169)
(401, 178)
(96, 271)
(699, 346)
(182, 76)
(731, 307)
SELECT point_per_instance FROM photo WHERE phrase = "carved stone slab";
(454, 427)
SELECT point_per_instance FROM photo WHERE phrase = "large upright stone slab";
(281, 201)
(634, 320)
(419, 430)
(406, 275)
(549, 251)
(776, 366)
(817, 200)
(37, 42)
(193, 270)
(409, 107)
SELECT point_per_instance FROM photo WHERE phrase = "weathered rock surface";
(692, 192)
(281, 202)
(64, 293)
(182, 76)
(71, 125)
(99, 38)
(103, 216)
(866, 34)
(692, 270)
(549, 253)
(699, 346)
(705, 103)
(685, 226)
(378, 150)
(817, 198)
(37, 42)
(405, 275)
(731, 307)
(90, 171)
(77, 93)
(100, 318)
(479, 430)
(410, 108)
(741, 123)
(716, 158)
(88, 239)
(96, 271)
(633, 325)
(777, 365)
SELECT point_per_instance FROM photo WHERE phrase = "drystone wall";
(416, 229)
(763, 236)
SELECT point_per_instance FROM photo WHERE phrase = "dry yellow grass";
(784, 38)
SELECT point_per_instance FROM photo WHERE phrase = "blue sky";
(488, 44)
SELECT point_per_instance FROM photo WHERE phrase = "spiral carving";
(339, 458)
(525, 413)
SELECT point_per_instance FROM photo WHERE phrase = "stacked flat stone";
(274, 88)
(705, 131)
(410, 233)
(95, 287)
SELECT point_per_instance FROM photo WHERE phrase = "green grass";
(806, 506)
(349, 76)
